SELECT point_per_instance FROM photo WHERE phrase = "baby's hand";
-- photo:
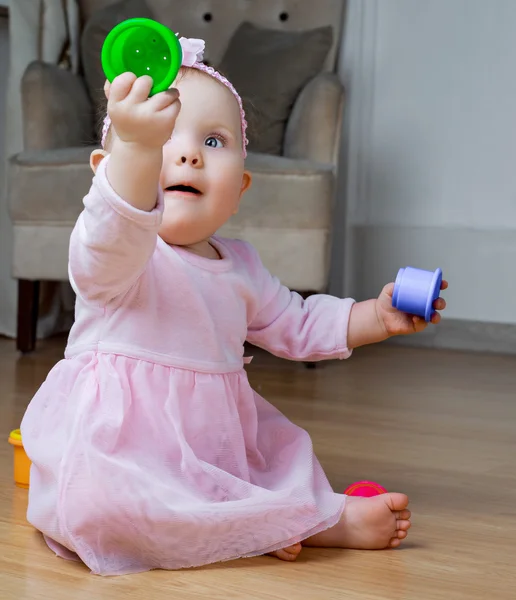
(396, 322)
(138, 119)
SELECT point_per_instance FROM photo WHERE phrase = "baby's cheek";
(224, 182)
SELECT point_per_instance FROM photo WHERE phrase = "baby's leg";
(367, 524)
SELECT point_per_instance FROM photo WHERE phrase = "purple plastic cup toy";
(416, 290)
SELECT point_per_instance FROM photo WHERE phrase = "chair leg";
(28, 301)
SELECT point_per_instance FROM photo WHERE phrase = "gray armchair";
(286, 214)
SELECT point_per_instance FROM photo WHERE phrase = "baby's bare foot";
(368, 524)
(290, 553)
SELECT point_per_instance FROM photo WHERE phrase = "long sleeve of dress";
(111, 243)
(291, 327)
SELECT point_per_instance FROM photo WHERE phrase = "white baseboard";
(473, 336)
(479, 264)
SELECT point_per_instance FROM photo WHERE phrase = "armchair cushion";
(286, 213)
(286, 193)
(269, 68)
(56, 108)
(47, 186)
(314, 126)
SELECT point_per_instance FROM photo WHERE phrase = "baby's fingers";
(419, 323)
(121, 87)
(141, 89)
(389, 289)
(436, 318)
(163, 99)
(440, 304)
(444, 284)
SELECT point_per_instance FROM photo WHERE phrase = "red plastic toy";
(366, 489)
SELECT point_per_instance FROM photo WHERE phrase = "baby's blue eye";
(213, 142)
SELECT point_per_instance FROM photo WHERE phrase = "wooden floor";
(440, 426)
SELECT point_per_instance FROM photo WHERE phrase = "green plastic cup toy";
(142, 47)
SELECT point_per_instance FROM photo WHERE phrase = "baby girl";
(149, 447)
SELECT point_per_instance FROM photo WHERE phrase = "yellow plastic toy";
(21, 460)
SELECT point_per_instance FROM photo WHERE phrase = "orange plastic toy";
(21, 460)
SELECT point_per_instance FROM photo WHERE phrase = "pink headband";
(192, 57)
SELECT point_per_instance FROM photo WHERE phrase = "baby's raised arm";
(142, 126)
(116, 233)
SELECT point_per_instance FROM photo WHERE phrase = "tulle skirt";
(139, 466)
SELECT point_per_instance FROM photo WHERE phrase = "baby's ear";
(96, 158)
(246, 184)
(247, 179)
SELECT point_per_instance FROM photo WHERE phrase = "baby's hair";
(251, 113)
(99, 123)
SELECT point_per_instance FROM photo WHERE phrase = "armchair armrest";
(314, 127)
(57, 111)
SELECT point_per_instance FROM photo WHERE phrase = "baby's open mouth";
(187, 189)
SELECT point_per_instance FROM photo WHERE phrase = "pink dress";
(149, 447)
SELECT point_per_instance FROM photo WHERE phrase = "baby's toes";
(403, 514)
(294, 550)
(289, 554)
(398, 536)
(402, 525)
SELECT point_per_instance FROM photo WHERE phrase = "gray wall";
(430, 177)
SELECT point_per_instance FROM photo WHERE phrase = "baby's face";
(203, 175)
